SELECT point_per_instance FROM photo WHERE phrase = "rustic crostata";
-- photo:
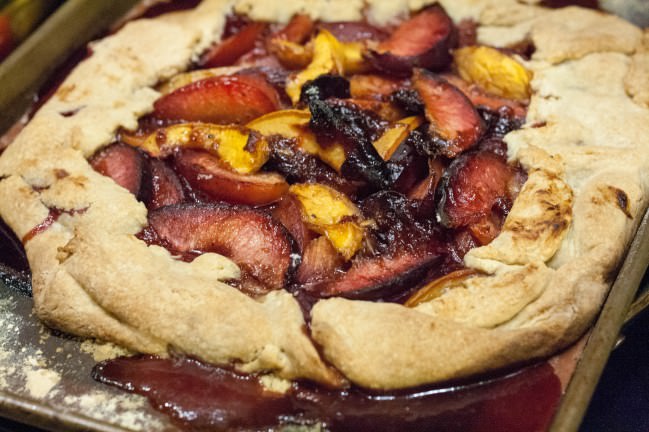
(379, 193)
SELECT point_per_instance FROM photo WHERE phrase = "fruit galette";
(384, 193)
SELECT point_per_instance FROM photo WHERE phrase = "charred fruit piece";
(122, 163)
(495, 72)
(390, 140)
(397, 225)
(238, 149)
(288, 212)
(206, 173)
(381, 277)
(409, 101)
(423, 41)
(252, 239)
(472, 184)
(382, 112)
(324, 87)
(501, 121)
(221, 99)
(424, 191)
(407, 164)
(229, 50)
(373, 86)
(355, 129)
(164, 186)
(329, 212)
(294, 124)
(330, 56)
(455, 124)
(299, 166)
(320, 261)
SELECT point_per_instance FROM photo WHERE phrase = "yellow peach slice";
(293, 123)
(389, 141)
(240, 149)
(329, 212)
(495, 72)
(329, 56)
(437, 287)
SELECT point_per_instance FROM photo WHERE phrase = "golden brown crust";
(543, 279)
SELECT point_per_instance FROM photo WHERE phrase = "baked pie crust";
(585, 146)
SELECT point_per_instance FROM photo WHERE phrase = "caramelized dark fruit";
(298, 166)
(163, 186)
(221, 99)
(206, 173)
(355, 128)
(123, 164)
(455, 124)
(471, 187)
(383, 277)
(324, 87)
(423, 41)
(251, 238)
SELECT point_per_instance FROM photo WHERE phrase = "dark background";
(621, 400)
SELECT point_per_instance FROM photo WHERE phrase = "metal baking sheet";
(45, 376)
(34, 61)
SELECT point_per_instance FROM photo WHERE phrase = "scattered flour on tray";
(35, 364)
(41, 381)
(23, 368)
(101, 351)
(124, 409)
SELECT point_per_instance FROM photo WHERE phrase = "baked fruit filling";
(331, 159)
